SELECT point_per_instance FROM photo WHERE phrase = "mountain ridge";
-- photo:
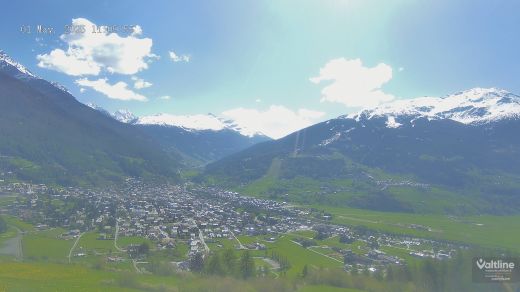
(474, 162)
(197, 145)
(48, 136)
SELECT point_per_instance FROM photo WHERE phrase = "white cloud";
(138, 30)
(68, 63)
(275, 122)
(115, 91)
(88, 53)
(81, 90)
(353, 84)
(258, 100)
(179, 58)
(165, 97)
(140, 83)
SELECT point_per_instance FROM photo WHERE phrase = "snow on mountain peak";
(189, 122)
(5, 59)
(125, 116)
(196, 123)
(19, 71)
(473, 106)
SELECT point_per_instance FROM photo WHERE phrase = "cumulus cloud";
(178, 58)
(115, 91)
(89, 53)
(140, 83)
(70, 63)
(276, 122)
(353, 84)
(138, 30)
(165, 97)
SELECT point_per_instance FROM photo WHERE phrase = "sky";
(276, 66)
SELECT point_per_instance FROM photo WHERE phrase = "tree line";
(225, 264)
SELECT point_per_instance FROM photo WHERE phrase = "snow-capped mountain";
(197, 138)
(125, 116)
(99, 109)
(197, 123)
(464, 143)
(67, 142)
(190, 123)
(473, 106)
(7, 63)
(13, 68)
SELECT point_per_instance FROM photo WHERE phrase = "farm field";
(46, 246)
(484, 231)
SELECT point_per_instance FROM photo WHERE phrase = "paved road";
(74, 246)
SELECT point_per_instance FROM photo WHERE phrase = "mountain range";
(48, 136)
(456, 154)
(198, 139)
(453, 154)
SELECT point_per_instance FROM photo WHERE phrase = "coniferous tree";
(3, 225)
(214, 266)
(305, 271)
(247, 265)
(197, 262)
(229, 261)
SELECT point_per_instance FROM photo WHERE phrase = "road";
(334, 259)
(74, 246)
(239, 243)
(13, 246)
(116, 235)
(201, 237)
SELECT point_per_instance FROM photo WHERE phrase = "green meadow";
(46, 245)
(496, 232)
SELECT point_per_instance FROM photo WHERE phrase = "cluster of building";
(167, 214)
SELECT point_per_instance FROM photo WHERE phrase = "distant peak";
(125, 116)
(472, 106)
(6, 61)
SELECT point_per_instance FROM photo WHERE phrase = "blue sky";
(258, 58)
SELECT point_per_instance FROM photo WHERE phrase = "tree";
(305, 271)
(196, 262)
(214, 266)
(3, 225)
(390, 274)
(345, 238)
(229, 261)
(247, 265)
(143, 249)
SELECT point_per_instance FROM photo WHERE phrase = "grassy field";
(124, 241)
(90, 242)
(38, 276)
(298, 256)
(53, 277)
(484, 231)
(45, 245)
(10, 233)
(321, 288)
(24, 226)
